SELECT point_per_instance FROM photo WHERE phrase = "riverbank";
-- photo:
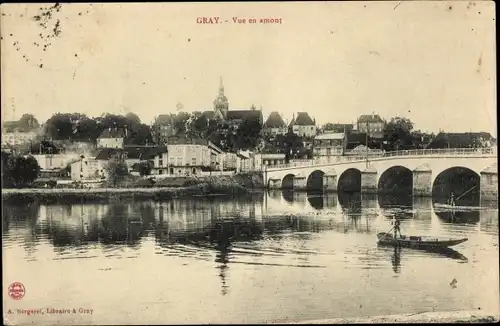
(234, 185)
(426, 317)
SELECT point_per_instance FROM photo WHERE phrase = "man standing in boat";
(397, 228)
(451, 202)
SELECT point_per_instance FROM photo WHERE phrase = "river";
(275, 257)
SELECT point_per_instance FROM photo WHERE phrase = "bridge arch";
(350, 181)
(463, 182)
(287, 182)
(315, 180)
(396, 179)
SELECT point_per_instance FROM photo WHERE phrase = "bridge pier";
(299, 182)
(369, 181)
(330, 181)
(489, 183)
(422, 181)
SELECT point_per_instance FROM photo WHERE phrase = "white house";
(246, 161)
(231, 161)
(16, 138)
(329, 145)
(274, 125)
(88, 169)
(186, 156)
(303, 125)
(266, 159)
(372, 124)
(112, 138)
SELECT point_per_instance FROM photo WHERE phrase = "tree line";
(80, 127)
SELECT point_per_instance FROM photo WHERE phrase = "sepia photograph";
(249, 163)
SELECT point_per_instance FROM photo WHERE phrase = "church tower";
(221, 105)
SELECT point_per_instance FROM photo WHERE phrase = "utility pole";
(366, 142)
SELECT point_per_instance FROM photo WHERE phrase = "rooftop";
(369, 118)
(328, 136)
(112, 133)
(243, 114)
(274, 121)
(302, 119)
(141, 153)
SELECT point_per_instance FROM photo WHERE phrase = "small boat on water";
(417, 242)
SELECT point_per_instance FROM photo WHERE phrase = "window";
(193, 161)
(194, 171)
(489, 178)
(160, 171)
(171, 170)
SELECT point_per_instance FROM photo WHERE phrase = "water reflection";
(331, 234)
(397, 252)
(315, 199)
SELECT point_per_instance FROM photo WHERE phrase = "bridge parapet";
(447, 152)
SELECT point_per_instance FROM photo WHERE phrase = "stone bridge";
(418, 168)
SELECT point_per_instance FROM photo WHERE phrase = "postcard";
(249, 162)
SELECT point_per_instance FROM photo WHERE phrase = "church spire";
(221, 87)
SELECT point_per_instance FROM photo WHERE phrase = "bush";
(18, 171)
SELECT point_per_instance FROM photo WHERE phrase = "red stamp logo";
(16, 291)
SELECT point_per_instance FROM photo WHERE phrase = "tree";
(293, 145)
(28, 122)
(144, 168)
(117, 169)
(133, 118)
(18, 171)
(139, 135)
(397, 133)
(200, 126)
(87, 130)
(248, 133)
(59, 126)
(180, 121)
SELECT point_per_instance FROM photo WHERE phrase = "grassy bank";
(235, 185)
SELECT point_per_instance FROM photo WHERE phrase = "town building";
(247, 161)
(328, 145)
(302, 125)
(262, 160)
(372, 124)
(188, 156)
(274, 125)
(88, 168)
(132, 155)
(338, 127)
(112, 138)
(462, 140)
(163, 128)
(18, 138)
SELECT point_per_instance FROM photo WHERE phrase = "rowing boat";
(418, 242)
(456, 208)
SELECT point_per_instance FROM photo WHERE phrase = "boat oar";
(465, 193)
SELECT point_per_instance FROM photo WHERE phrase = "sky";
(431, 62)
